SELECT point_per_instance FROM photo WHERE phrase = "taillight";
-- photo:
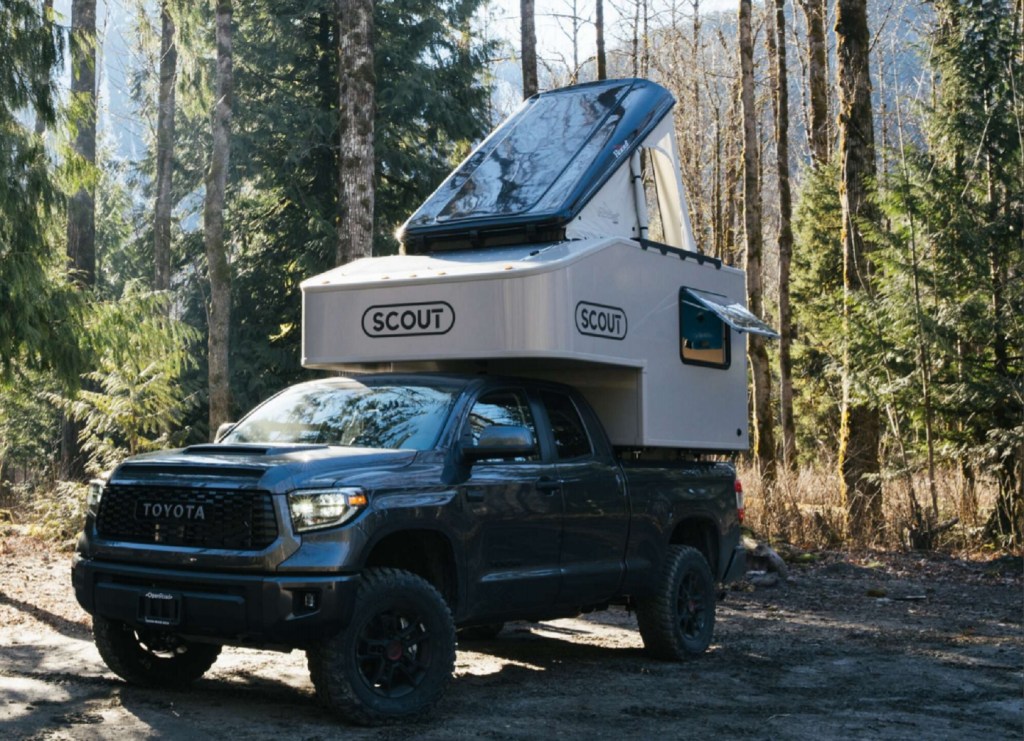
(740, 511)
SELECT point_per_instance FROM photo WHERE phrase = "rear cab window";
(572, 442)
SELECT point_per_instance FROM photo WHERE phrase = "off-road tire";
(677, 621)
(394, 659)
(149, 658)
(484, 632)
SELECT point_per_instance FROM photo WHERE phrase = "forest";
(862, 161)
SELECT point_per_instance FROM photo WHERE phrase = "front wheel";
(150, 658)
(678, 620)
(394, 659)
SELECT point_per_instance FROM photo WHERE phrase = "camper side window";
(703, 337)
(502, 408)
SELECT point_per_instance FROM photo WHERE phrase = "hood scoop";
(248, 450)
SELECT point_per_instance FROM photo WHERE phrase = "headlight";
(92, 502)
(312, 509)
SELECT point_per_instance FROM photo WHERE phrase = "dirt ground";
(908, 646)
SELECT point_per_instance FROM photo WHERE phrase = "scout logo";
(403, 320)
(598, 320)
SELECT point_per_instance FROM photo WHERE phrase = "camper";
(560, 249)
(524, 418)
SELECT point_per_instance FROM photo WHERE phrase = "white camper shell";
(652, 333)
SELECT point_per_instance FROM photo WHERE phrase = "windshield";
(349, 414)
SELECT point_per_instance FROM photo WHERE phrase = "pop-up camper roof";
(540, 256)
(532, 177)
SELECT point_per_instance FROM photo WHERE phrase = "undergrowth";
(804, 508)
(54, 513)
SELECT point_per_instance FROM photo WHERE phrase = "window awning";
(735, 315)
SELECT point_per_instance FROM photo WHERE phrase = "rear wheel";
(679, 619)
(394, 659)
(151, 658)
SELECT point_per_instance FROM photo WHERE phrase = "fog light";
(309, 600)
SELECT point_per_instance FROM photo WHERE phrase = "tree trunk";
(780, 99)
(602, 63)
(213, 224)
(82, 206)
(763, 444)
(815, 12)
(859, 431)
(81, 226)
(693, 177)
(164, 151)
(730, 222)
(528, 35)
(325, 170)
(356, 102)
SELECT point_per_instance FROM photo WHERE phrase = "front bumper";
(241, 609)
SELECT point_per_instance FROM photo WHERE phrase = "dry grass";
(804, 508)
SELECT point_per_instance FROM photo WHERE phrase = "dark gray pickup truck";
(366, 520)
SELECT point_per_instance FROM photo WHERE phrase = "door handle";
(549, 486)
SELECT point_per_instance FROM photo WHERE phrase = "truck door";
(596, 521)
(517, 509)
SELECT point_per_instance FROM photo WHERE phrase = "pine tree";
(284, 163)
(960, 206)
(40, 320)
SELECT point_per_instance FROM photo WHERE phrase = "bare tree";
(528, 35)
(570, 23)
(780, 105)
(219, 311)
(164, 151)
(602, 63)
(859, 432)
(764, 444)
(817, 78)
(356, 105)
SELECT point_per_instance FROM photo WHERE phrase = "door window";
(509, 407)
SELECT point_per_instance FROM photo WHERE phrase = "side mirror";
(501, 441)
(224, 429)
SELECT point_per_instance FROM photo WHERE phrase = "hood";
(272, 467)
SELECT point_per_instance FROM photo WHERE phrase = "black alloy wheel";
(678, 620)
(393, 652)
(395, 658)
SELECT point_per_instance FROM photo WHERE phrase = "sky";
(553, 20)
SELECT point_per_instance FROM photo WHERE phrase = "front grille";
(196, 518)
